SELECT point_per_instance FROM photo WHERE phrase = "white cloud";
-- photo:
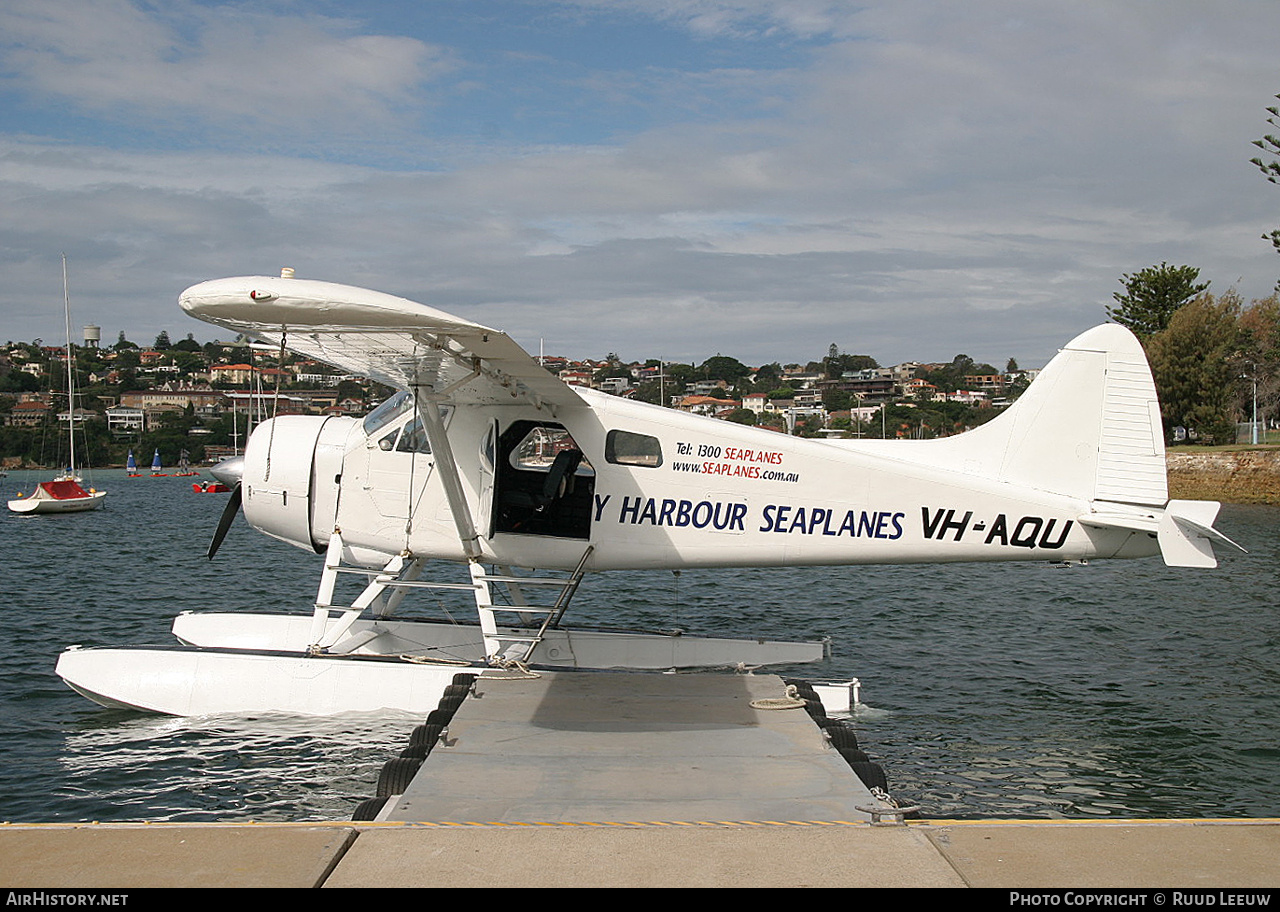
(739, 18)
(941, 178)
(212, 68)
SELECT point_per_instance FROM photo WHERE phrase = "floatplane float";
(486, 463)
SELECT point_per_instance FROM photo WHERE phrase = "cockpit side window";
(412, 438)
(626, 448)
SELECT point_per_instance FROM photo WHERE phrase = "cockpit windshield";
(389, 411)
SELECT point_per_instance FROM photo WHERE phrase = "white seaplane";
(485, 460)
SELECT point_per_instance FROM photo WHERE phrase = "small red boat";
(62, 495)
(209, 487)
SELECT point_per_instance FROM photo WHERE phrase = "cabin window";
(537, 451)
(626, 448)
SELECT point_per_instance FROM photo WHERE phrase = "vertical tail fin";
(1088, 427)
(1129, 472)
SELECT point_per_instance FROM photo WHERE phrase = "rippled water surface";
(1116, 689)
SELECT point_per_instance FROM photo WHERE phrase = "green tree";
(1151, 297)
(767, 377)
(128, 359)
(186, 361)
(835, 364)
(16, 381)
(1260, 356)
(809, 426)
(650, 391)
(1194, 363)
(723, 367)
(1270, 167)
(951, 377)
(350, 389)
(836, 400)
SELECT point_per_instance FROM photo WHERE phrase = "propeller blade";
(228, 517)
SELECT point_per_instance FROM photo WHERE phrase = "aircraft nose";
(229, 471)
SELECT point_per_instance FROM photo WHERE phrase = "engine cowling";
(292, 465)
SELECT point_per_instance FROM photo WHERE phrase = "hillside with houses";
(195, 401)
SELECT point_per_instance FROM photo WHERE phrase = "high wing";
(390, 339)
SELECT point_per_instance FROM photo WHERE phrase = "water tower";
(92, 336)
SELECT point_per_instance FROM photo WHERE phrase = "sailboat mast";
(71, 394)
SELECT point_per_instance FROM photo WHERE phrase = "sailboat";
(184, 465)
(155, 465)
(64, 494)
(131, 466)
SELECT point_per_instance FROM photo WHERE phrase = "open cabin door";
(543, 484)
(488, 462)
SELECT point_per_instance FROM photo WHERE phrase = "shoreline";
(1239, 476)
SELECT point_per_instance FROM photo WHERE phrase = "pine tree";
(1270, 144)
(1153, 296)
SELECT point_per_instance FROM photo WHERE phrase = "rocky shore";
(1231, 476)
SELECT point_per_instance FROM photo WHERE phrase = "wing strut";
(429, 409)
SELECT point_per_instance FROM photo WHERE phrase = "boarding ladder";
(504, 645)
(385, 590)
(513, 644)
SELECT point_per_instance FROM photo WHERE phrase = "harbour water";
(1113, 690)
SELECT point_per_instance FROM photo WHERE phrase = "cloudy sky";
(656, 178)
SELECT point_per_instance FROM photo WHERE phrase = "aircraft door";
(387, 474)
(543, 483)
(488, 457)
(399, 465)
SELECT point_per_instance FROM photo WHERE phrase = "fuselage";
(653, 488)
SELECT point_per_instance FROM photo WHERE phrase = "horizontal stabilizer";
(1129, 522)
(1184, 530)
(1186, 533)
